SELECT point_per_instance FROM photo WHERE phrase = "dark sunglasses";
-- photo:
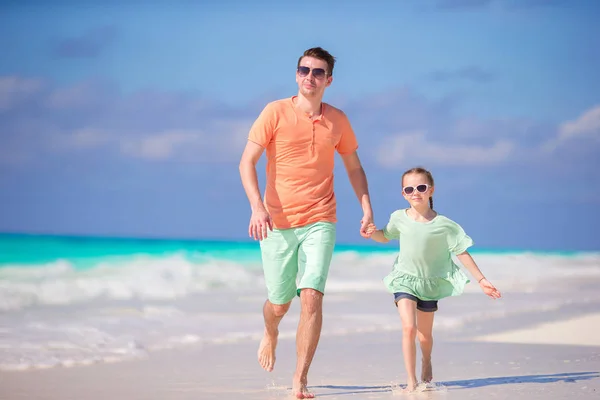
(318, 73)
(408, 190)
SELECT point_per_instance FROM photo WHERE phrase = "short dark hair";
(320, 54)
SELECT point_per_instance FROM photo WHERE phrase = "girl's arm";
(378, 236)
(485, 285)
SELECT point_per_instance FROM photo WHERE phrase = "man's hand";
(259, 222)
(366, 225)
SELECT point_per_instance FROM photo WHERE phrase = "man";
(301, 135)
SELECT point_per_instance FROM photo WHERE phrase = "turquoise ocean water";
(51, 270)
(75, 300)
(85, 252)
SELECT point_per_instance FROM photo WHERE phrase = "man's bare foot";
(426, 371)
(266, 351)
(301, 391)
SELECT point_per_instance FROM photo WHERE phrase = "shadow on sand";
(569, 377)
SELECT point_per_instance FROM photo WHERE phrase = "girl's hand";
(365, 222)
(370, 229)
(489, 289)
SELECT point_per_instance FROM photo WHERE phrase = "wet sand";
(357, 366)
(538, 343)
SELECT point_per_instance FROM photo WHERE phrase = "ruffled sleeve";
(458, 240)
(391, 230)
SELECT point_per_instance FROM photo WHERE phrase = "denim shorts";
(422, 305)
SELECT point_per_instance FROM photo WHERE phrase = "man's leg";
(279, 253)
(273, 313)
(307, 338)
(317, 242)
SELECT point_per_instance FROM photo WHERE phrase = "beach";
(360, 365)
(150, 150)
(180, 340)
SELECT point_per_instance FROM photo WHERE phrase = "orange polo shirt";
(300, 160)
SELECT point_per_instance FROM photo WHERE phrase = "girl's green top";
(424, 265)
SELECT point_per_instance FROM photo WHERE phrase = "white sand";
(357, 366)
(580, 331)
(508, 362)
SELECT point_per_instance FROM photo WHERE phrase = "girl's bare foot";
(266, 351)
(411, 386)
(426, 371)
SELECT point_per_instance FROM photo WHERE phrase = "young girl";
(424, 272)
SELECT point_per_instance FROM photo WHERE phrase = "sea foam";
(176, 276)
(142, 277)
(56, 314)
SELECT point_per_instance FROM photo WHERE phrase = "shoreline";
(373, 368)
(367, 364)
(202, 344)
(508, 320)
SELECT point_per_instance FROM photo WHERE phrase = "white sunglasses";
(408, 190)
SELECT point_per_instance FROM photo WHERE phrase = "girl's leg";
(408, 311)
(424, 332)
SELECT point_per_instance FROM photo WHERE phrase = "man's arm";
(260, 219)
(358, 180)
(250, 157)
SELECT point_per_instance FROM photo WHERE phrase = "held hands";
(259, 222)
(489, 289)
(366, 226)
(371, 228)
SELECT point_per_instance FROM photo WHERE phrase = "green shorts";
(294, 255)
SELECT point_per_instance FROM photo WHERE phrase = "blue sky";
(130, 119)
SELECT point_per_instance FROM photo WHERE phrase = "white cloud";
(222, 141)
(155, 126)
(163, 145)
(59, 141)
(398, 149)
(89, 138)
(94, 116)
(71, 97)
(509, 128)
(228, 138)
(586, 126)
(14, 89)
